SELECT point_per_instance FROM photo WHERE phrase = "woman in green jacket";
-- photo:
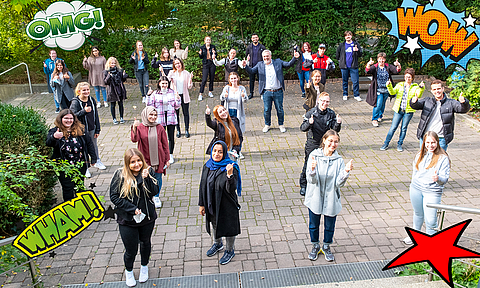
(404, 91)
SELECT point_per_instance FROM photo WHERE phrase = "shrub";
(467, 82)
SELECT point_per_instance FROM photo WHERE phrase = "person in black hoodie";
(316, 122)
(254, 55)
(207, 53)
(347, 54)
(85, 108)
(131, 191)
(70, 143)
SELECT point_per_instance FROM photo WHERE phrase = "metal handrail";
(441, 215)
(36, 279)
(28, 74)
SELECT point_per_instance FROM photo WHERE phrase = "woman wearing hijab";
(218, 201)
(152, 142)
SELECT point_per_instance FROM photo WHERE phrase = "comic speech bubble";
(60, 224)
(435, 30)
(65, 25)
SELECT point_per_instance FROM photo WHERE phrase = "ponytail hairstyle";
(236, 139)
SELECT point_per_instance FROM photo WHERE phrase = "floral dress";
(72, 150)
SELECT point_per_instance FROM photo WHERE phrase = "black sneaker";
(303, 190)
(328, 253)
(250, 96)
(187, 134)
(315, 251)
(214, 249)
(179, 134)
(57, 110)
(303, 95)
(227, 256)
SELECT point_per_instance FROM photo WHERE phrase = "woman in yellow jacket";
(404, 91)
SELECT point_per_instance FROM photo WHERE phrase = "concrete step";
(397, 282)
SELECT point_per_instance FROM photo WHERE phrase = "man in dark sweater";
(254, 55)
(316, 122)
(348, 53)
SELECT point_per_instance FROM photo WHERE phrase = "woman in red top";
(153, 143)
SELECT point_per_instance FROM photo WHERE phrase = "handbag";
(307, 63)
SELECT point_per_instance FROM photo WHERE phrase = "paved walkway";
(376, 204)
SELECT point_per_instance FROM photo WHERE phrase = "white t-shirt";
(179, 83)
(436, 124)
(271, 78)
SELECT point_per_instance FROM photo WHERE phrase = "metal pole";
(33, 272)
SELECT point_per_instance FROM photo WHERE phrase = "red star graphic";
(438, 250)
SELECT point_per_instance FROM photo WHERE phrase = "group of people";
(135, 188)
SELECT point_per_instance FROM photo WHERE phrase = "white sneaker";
(171, 159)
(375, 123)
(282, 129)
(210, 94)
(200, 97)
(241, 156)
(105, 104)
(144, 99)
(158, 204)
(266, 128)
(143, 277)
(358, 98)
(100, 165)
(99, 104)
(408, 241)
(345, 98)
(130, 278)
(87, 174)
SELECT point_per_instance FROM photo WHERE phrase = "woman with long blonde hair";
(131, 190)
(114, 76)
(70, 143)
(139, 59)
(226, 129)
(431, 170)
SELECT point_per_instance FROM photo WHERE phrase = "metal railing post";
(28, 74)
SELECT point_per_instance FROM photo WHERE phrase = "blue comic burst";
(414, 44)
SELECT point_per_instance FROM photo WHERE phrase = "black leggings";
(186, 115)
(170, 129)
(120, 109)
(208, 69)
(309, 147)
(131, 236)
(68, 186)
(64, 102)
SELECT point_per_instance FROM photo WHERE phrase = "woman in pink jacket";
(181, 82)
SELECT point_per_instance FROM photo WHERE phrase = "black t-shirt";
(90, 116)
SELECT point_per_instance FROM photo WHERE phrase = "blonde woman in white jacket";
(181, 82)
(326, 173)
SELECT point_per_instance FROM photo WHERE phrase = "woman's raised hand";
(422, 84)
(388, 82)
(349, 166)
(339, 119)
(145, 172)
(314, 163)
(229, 169)
(186, 49)
(136, 123)
(138, 211)
(435, 176)
(207, 111)
(58, 134)
(66, 77)
(156, 55)
(88, 109)
(396, 63)
(310, 120)
(371, 62)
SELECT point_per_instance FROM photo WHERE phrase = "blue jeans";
(421, 213)
(380, 108)
(97, 93)
(232, 112)
(158, 176)
(303, 76)
(314, 227)
(276, 98)
(353, 73)
(397, 117)
(57, 105)
(142, 79)
(441, 141)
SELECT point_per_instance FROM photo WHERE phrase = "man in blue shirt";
(347, 55)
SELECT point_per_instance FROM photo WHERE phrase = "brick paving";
(376, 204)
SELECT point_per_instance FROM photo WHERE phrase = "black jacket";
(203, 56)
(322, 122)
(126, 207)
(447, 109)
(114, 79)
(135, 61)
(57, 144)
(342, 58)
(77, 106)
(372, 90)
(220, 131)
(226, 203)
(249, 51)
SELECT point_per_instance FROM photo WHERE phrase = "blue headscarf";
(222, 165)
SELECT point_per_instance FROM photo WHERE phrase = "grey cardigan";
(65, 87)
(323, 184)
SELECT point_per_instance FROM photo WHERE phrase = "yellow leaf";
(18, 8)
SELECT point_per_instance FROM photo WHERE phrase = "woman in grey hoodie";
(326, 173)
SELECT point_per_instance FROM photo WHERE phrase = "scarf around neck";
(152, 136)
